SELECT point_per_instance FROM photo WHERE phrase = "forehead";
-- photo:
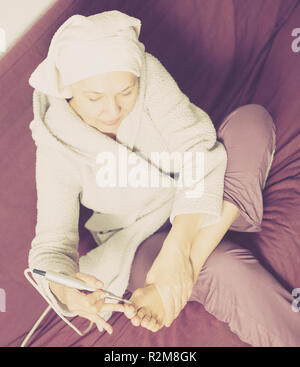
(111, 82)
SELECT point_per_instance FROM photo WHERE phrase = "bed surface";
(223, 54)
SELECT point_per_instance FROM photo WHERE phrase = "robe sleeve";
(55, 244)
(185, 127)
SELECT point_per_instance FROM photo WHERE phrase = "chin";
(109, 129)
(106, 130)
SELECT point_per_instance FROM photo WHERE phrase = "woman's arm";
(54, 246)
(187, 129)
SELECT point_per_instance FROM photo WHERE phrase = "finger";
(74, 298)
(97, 320)
(95, 297)
(90, 280)
(112, 307)
(90, 303)
(95, 301)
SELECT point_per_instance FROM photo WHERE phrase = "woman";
(97, 92)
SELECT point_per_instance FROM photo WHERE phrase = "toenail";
(145, 320)
(141, 314)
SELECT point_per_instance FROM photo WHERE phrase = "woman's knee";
(249, 122)
(256, 117)
(248, 135)
(256, 112)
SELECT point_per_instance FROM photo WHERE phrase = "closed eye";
(93, 100)
(123, 94)
(127, 94)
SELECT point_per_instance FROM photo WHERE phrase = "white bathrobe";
(163, 120)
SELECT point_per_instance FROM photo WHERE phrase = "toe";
(130, 311)
(146, 322)
(158, 325)
(152, 324)
(135, 321)
(140, 314)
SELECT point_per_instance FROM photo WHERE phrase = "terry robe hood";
(163, 120)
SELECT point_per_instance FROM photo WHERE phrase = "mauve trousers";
(232, 285)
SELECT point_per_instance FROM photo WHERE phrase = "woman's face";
(104, 100)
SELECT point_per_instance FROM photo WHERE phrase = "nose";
(111, 110)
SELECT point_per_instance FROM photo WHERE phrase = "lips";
(111, 122)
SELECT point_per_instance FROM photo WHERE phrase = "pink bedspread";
(223, 54)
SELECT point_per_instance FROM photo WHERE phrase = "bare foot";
(148, 310)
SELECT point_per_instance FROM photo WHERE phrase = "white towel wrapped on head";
(86, 46)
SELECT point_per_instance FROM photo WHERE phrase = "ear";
(66, 91)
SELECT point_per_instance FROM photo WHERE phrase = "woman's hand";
(173, 275)
(86, 305)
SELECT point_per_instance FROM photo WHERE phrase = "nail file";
(75, 283)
